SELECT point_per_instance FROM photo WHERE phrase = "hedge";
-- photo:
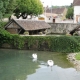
(64, 44)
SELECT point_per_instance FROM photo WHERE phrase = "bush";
(5, 37)
(64, 44)
(19, 42)
(76, 34)
(26, 33)
(40, 33)
(57, 44)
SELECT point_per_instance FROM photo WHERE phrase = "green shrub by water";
(64, 44)
(56, 44)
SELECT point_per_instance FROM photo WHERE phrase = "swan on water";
(50, 63)
(34, 55)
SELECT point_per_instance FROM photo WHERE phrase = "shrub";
(26, 33)
(5, 37)
(56, 44)
(64, 44)
(76, 34)
(40, 33)
(18, 41)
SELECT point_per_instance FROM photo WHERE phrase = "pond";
(19, 65)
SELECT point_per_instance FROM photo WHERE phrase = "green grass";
(77, 56)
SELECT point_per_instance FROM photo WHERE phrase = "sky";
(56, 2)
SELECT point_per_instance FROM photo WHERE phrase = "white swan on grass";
(34, 55)
(50, 63)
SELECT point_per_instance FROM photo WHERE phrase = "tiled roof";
(56, 10)
(76, 3)
(31, 24)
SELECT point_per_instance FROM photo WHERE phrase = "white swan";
(50, 63)
(34, 55)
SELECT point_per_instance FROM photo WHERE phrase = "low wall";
(62, 28)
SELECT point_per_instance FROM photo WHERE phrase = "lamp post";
(44, 10)
(51, 11)
(45, 13)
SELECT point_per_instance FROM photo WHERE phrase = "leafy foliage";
(18, 41)
(11, 6)
(65, 44)
(53, 43)
(28, 7)
(69, 14)
(3, 6)
(5, 37)
(21, 8)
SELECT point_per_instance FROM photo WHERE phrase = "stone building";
(30, 27)
(76, 5)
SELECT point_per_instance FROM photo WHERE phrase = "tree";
(69, 14)
(11, 6)
(3, 6)
(28, 7)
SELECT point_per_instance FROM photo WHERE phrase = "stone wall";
(62, 28)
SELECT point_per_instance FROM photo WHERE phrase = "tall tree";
(70, 11)
(69, 14)
(28, 7)
(11, 6)
(3, 6)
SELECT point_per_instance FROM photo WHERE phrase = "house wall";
(12, 31)
(58, 17)
(13, 25)
(49, 17)
(13, 28)
(76, 14)
(64, 14)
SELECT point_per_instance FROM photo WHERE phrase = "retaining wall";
(62, 28)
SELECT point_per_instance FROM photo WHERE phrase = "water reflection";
(16, 65)
(34, 60)
(57, 73)
(19, 65)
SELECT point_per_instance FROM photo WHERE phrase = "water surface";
(19, 65)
